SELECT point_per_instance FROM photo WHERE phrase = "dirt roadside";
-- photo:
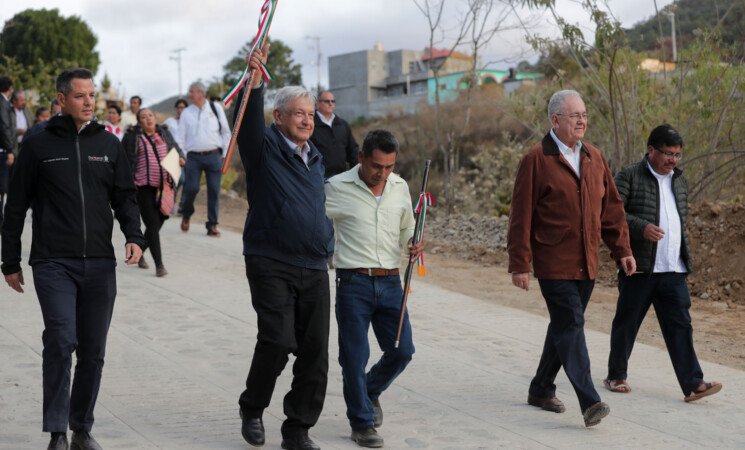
(481, 273)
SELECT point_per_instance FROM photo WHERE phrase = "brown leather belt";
(208, 152)
(377, 272)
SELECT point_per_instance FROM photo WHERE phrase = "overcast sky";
(136, 37)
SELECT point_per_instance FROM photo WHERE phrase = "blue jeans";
(77, 299)
(668, 292)
(360, 301)
(211, 165)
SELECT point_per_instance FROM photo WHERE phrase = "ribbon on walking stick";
(421, 210)
(425, 199)
(247, 78)
(265, 19)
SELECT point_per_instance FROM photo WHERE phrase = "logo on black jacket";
(103, 159)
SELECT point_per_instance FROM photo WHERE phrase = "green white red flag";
(265, 18)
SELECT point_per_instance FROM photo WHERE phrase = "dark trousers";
(77, 299)
(668, 293)
(180, 186)
(4, 175)
(152, 218)
(211, 165)
(292, 308)
(565, 341)
(360, 301)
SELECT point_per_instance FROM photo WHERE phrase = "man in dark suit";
(7, 138)
(22, 117)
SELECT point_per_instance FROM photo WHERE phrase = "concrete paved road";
(179, 349)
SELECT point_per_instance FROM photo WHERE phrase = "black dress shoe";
(58, 442)
(299, 441)
(82, 440)
(253, 431)
(367, 437)
(377, 413)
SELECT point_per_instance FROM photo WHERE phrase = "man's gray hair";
(557, 101)
(199, 85)
(290, 93)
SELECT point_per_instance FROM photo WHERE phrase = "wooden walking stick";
(418, 229)
(265, 21)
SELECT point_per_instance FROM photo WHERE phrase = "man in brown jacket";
(564, 202)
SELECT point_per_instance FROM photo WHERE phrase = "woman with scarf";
(147, 144)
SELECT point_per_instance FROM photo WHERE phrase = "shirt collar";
(84, 125)
(305, 150)
(657, 175)
(563, 148)
(323, 118)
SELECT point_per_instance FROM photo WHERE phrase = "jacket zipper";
(82, 194)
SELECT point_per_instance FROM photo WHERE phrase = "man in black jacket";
(7, 138)
(655, 197)
(334, 139)
(284, 243)
(73, 173)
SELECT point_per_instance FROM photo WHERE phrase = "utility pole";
(177, 58)
(317, 47)
(671, 15)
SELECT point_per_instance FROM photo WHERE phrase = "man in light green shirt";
(372, 214)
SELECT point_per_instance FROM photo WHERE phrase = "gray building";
(373, 83)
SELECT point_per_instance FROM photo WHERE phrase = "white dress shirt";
(199, 131)
(570, 154)
(668, 248)
(21, 122)
(323, 118)
(172, 123)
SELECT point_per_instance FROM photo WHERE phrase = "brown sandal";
(619, 386)
(708, 389)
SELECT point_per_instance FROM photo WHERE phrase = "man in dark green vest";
(655, 197)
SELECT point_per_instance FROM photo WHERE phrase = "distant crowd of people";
(308, 181)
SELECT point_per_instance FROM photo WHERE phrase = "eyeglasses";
(328, 101)
(671, 155)
(575, 116)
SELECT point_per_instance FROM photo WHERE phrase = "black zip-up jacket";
(287, 203)
(640, 193)
(336, 144)
(72, 180)
(7, 132)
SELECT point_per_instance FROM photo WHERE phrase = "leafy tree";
(105, 83)
(286, 72)
(39, 76)
(34, 36)
(691, 17)
(700, 97)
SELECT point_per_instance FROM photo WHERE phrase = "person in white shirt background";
(203, 134)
